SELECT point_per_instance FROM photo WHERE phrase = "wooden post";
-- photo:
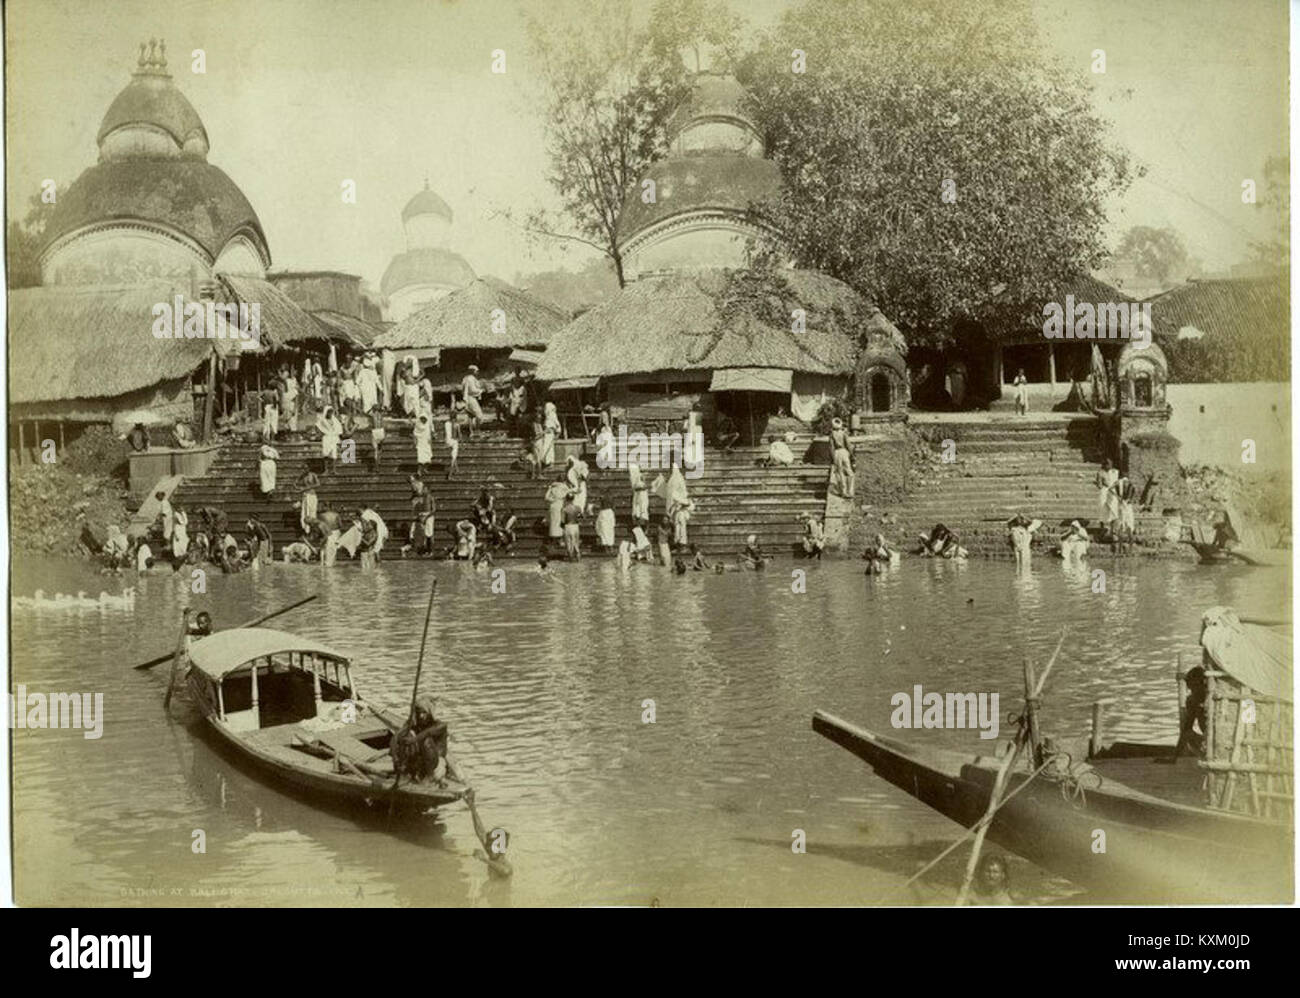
(176, 658)
(1098, 718)
(22, 444)
(207, 403)
(60, 439)
(257, 713)
(1031, 714)
(315, 685)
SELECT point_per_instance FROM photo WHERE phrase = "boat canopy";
(1254, 656)
(220, 654)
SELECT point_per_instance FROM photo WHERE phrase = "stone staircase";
(1043, 467)
(734, 497)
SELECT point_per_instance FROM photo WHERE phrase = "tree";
(1275, 197)
(24, 240)
(930, 157)
(612, 85)
(1158, 254)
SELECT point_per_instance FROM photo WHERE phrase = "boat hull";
(312, 778)
(1155, 851)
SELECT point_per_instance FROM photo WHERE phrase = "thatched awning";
(282, 320)
(90, 342)
(346, 329)
(713, 319)
(465, 319)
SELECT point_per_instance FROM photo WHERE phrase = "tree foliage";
(899, 96)
(612, 85)
(24, 240)
(1158, 254)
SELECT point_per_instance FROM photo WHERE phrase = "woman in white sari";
(423, 431)
(640, 494)
(410, 393)
(180, 535)
(330, 432)
(550, 432)
(576, 475)
(266, 468)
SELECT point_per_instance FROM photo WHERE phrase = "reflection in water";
(544, 686)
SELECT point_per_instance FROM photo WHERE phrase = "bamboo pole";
(176, 658)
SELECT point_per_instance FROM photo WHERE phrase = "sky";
(300, 95)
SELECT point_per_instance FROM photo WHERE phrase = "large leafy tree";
(24, 239)
(931, 158)
(612, 83)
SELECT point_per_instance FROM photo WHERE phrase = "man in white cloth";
(471, 391)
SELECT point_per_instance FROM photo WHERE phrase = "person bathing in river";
(698, 562)
(1074, 543)
(752, 555)
(1020, 534)
(814, 536)
(605, 525)
(571, 514)
(260, 547)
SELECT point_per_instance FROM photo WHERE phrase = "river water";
(543, 686)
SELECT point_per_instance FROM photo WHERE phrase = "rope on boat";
(984, 820)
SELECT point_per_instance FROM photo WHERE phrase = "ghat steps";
(734, 496)
(982, 472)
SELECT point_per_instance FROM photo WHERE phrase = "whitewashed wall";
(1212, 420)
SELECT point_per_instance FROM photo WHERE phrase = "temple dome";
(151, 117)
(194, 198)
(152, 206)
(426, 203)
(426, 266)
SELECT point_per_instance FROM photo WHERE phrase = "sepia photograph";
(648, 453)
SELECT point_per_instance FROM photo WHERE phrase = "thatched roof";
(84, 342)
(707, 320)
(463, 320)
(189, 195)
(339, 328)
(282, 320)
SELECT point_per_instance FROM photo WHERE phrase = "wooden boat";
(1157, 850)
(288, 705)
(1210, 554)
(1134, 822)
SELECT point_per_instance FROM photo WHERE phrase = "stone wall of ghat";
(1212, 421)
(973, 474)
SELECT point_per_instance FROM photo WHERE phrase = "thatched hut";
(83, 354)
(485, 323)
(749, 343)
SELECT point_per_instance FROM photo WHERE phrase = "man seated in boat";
(419, 749)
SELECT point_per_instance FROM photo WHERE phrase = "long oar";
(415, 692)
(252, 623)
